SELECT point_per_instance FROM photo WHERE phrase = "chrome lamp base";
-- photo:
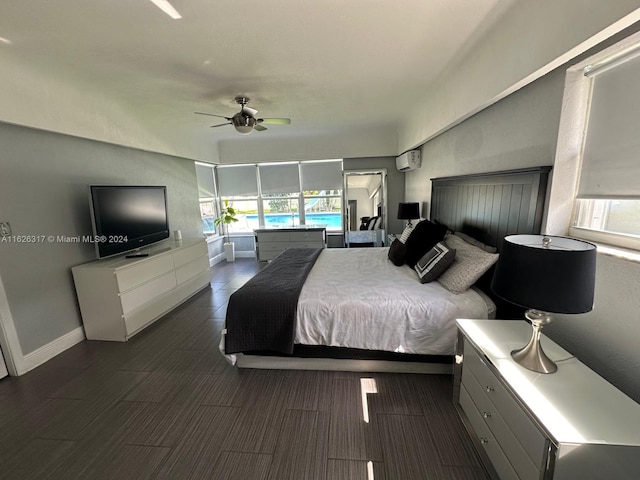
(531, 356)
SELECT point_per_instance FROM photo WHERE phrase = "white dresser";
(568, 425)
(120, 296)
(270, 242)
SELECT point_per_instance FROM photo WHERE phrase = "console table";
(568, 425)
(120, 296)
(270, 242)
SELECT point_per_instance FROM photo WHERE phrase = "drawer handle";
(489, 388)
(486, 414)
(484, 441)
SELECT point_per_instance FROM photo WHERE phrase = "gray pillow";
(467, 267)
(477, 243)
(434, 262)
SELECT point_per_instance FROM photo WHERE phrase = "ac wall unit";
(408, 161)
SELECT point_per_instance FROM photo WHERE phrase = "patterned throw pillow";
(405, 233)
(434, 262)
(468, 266)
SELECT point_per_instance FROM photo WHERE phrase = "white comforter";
(357, 298)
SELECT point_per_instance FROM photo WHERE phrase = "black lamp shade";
(559, 278)
(408, 210)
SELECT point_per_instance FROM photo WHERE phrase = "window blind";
(279, 178)
(611, 158)
(321, 175)
(206, 186)
(238, 180)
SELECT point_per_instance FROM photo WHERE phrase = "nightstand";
(571, 424)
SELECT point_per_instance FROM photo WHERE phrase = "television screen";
(128, 217)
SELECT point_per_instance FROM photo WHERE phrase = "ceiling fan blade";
(275, 121)
(213, 115)
(248, 111)
(259, 127)
(221, 125)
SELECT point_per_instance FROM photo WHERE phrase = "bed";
(356, 310)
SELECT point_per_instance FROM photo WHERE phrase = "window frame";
(564, 210)
(214, 199)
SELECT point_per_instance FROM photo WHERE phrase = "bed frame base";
(340, 365)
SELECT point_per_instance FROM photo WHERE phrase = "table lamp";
(408, 211)
(546, 275)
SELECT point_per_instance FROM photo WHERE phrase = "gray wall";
(522, 131)
(395, 185)
(44, 191)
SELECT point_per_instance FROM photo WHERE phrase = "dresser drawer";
(186, 255)
(305, 245)
(488, 442)
(137, 297)
(316, 237)
(191, 269)
(520, 424)
(273, 237)
(507, 439)
(266, 255)
(141, 272)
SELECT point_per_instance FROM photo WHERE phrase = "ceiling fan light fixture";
(243, 129)
(243, 124)
(245, 120)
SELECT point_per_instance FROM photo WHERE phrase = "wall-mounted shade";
(408, 210)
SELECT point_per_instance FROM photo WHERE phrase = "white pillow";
(467, 267)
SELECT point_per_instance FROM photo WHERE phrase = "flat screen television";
(126, 218)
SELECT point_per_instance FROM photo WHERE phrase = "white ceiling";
(124, 72)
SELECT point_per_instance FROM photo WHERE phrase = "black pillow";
(397, 252)
(424, 237)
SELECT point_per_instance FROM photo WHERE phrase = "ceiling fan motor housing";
(243, 123)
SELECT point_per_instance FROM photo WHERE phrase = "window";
(322, 194)
(607, 202)
(208, 212)
(246, 212)
(271, 195)
(323, 208)
(239, 186)
(207, 194)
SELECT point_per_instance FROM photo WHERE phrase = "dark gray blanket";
(262, 314)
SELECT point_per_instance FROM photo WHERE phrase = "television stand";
(120, 296)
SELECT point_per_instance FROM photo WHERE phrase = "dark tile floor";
(166, 405)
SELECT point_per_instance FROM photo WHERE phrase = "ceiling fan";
(245, 120)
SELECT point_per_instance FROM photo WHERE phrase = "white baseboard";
(51, 349)
(222, 258)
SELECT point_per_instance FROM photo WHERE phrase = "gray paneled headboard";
(489, 206)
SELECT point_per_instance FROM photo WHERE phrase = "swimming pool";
(247, 223)
(332, 221)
